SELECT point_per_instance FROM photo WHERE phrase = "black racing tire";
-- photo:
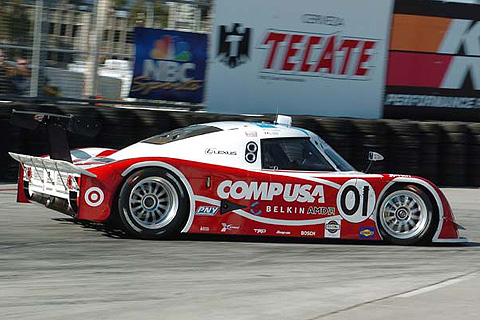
(153, 204)
(406, 216)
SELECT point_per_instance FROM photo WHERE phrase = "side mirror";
(375, 156)
(372, 157)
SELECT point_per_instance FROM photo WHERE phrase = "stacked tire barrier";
(473, 154)
(369, 136)
(404, 146)
(447, 153)
(430, 139)
(453, 160)
(336, 132)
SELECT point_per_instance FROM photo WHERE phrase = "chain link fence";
(82, 49)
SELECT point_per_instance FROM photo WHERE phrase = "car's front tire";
(406, 216)
(152, 204)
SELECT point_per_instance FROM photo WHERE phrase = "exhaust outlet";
(55, 203)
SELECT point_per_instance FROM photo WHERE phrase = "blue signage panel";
(169, 65)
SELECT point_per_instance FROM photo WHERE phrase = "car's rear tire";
(406, 216)
(152, 204)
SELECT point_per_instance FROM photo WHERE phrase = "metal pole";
(99, 17)
(37, 48)
(197, 18)
(92, 68)
(150, 14)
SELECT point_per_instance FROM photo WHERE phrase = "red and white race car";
(238, 178)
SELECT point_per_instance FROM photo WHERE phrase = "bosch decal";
(308, 233)
(269, 190)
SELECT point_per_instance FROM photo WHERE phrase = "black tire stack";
(453, 154)
(119, 127)
(403, 153)
(430, 151)
(473, 154)
(369, 135)
(337, 132)
(447, 153)
(10, 141)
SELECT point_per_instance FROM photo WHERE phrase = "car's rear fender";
(178, 174)
(97, 195)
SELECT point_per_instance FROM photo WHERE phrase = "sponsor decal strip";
(267, 220)
(270, 190)
(207, 200)
(279, 222)
(304, 177)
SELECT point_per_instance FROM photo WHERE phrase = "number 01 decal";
(356, 200)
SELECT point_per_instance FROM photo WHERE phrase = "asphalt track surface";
(54, 268)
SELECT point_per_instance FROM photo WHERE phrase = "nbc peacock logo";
(167, 48)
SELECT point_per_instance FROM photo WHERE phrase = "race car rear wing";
(53, 183)
(50, 164)
(57, 126)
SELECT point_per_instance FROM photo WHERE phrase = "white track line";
(435, 286)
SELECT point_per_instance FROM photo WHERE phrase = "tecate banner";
(299, 57)
(169, 65)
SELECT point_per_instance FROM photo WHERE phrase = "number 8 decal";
(356, 200)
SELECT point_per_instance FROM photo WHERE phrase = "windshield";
(337, 159)
(181, 133)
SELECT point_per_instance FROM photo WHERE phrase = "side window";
(292, 154)
(181, 133)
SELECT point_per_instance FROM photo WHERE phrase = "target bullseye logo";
(94, 196)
